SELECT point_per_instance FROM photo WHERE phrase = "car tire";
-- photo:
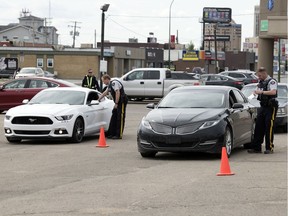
(228, 141)
(13, 140)
(148, 154)
(78, 131)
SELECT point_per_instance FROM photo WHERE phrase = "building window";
(5, 37)
(50, 63)
(15, 37)
(40, 62)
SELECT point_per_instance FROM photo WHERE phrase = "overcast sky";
(128, 18)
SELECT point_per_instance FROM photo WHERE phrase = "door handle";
(141, 83)
(159, 83)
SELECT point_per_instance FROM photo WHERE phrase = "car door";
(12, 94)
(242, 119)
(93, 114)
(153, 86)
(214, 80)
(134, 83)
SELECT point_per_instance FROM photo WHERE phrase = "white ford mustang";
(69, 113)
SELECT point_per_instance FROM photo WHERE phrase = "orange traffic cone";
(224, 168)
(102, 140)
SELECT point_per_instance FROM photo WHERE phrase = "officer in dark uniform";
(117, 121)
(266, 94)
(90, 81)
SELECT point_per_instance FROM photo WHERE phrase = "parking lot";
(56, 178)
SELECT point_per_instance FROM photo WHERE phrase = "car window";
(15, 84)
(282, 91)
(52, 84)
(135, 75)
(184, 99)
(38, 84)
(237, 75)
(239, 97)
(213, 77)
(248, 90)
(152, 75)
(204, 78)
(92, 96)
(168, 74)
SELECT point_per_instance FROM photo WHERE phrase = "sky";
(128, 18)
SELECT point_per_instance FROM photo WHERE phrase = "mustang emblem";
(32, 120)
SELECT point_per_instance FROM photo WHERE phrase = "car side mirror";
(93, 102)
(150, 106)
(25, 101)
(237, 106)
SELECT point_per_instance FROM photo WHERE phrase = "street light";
(104, 8)
(169, 33)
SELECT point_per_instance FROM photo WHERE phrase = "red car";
(13, 92)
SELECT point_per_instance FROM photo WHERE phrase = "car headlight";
(146, 124)
(282, 111)
(209, 124)
(7, 117)
(64, 117)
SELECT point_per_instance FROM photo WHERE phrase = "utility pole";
(74, 32)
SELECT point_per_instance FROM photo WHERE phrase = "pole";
(279, 59)
(169, 66)
(215, 41)
(203, 41)
(74, 34)
(102, 46)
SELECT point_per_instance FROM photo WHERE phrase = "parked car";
(49, 74)
(246, 76)
(13, 92)
(182, 75)
(30, 72)
(6, 73)
(197, 119)
(217, 79)
(151, 82)
(66, 113)
(282, 113)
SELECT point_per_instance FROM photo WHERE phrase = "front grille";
(32, 120)
(188, 129)
(175, 145)
(31, 132)
(161, 128)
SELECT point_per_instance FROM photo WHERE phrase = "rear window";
(152, 75)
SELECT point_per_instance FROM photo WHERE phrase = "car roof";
(205, 87)
(45, 79)
(79, 88)
(254, 84)
(221, 75)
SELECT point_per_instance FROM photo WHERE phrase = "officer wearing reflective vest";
(266, 93)
(117, 122)
(90, 81)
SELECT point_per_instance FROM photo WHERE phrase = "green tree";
(190, 46)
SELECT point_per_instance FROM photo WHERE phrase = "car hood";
(176, 117)
(282, 102)
(40, 109)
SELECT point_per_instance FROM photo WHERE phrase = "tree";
(190, 46)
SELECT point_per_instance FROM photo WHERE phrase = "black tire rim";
(78, 130)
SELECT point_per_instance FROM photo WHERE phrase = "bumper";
(58, 129)
(281, 120)
(208, 140)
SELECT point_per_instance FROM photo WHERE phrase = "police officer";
(90, 81)
(267, 94)
(117, 121)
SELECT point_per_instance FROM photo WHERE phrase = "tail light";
(238, 83)
(254, 81)
(196, 83)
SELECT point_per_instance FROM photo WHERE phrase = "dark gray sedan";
(197, 119)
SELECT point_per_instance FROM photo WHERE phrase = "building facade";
(31, 30)
(228, 36)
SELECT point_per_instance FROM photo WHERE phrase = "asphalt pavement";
(55, 178)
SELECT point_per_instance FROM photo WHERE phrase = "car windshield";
(59, 97)
(27, 71)
(193, 99)
(281, 91)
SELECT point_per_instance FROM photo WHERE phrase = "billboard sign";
(217, 15)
